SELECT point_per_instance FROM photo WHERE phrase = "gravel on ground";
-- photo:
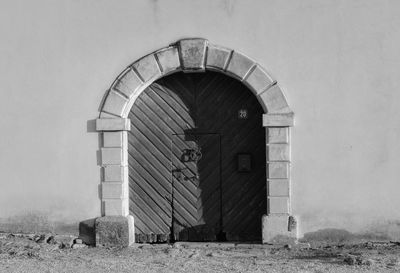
(48, 253)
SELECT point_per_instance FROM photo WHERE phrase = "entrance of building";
(197, 160)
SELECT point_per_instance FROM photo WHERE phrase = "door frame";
(198, 55)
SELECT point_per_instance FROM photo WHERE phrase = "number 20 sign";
(243, 114)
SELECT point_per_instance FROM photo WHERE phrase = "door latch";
(177, 173)
(191, 155)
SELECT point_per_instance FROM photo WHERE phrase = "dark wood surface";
(192, 111)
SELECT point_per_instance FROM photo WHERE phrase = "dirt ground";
(32, 253)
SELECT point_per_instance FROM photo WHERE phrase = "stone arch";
(197, 55)
(194, 55)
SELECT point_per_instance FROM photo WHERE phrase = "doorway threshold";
(220, 245)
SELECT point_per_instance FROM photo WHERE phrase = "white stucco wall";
(337, 62)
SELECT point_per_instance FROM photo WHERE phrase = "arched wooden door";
(197, 160)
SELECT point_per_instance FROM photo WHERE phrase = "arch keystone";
(192, 54)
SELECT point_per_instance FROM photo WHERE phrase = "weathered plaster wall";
(337, 62)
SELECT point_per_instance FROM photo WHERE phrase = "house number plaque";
(243, 114)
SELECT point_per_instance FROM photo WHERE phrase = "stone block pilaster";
(277, 224)
(114, 163)
(278, 171)
(115, 227)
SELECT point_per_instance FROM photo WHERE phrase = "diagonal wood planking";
(204, 221)
(206, 104)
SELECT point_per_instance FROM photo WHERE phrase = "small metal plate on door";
(244, 162)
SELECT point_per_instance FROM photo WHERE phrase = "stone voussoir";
(115, 103)
(192, 54)
(168, 59)
(127, 83)
(217, 57)
(239, 65)
(104, 115)
(147, 67)
(274, 100)
(259, 80)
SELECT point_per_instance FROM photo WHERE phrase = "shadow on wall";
(330, 236)
(36, 222)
